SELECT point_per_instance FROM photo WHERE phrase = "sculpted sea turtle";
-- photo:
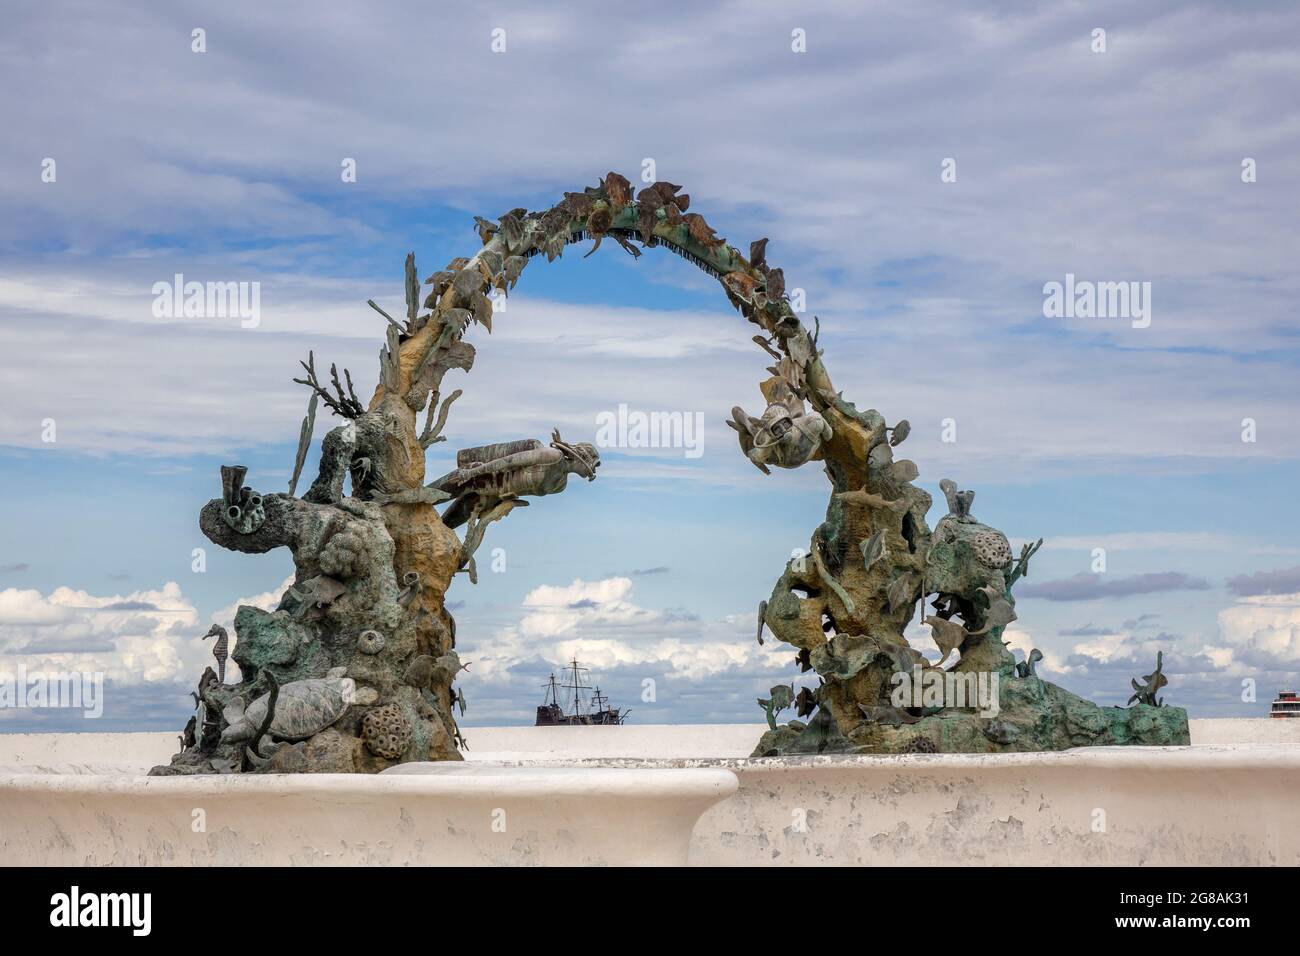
(304, 708)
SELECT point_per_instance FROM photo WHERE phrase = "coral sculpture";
(386, 731)
(354, 670)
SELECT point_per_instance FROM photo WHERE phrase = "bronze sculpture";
(374, 562)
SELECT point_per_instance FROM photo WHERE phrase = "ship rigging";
(574, 702)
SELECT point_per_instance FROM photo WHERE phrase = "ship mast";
(571, 713)
(577, 686)
(552, 692)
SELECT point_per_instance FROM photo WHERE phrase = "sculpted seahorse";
(220, 650)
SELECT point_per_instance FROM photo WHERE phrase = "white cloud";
(553, 611)
(1105, 647)
(600, 624)
(1256, 637)
(1262, 631)
(1166, 541)
(29, 608)
(145, 636)
(929, 294)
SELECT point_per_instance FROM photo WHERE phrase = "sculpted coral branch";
(433, 431)
(344, 405)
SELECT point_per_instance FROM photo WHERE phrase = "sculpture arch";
(367, 614)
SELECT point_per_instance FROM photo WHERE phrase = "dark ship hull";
(580, 713)
(550, 715)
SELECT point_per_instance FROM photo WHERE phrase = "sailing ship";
(574, 702)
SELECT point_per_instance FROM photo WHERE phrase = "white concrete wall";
(658, 741)
(1265, 730)
(449, 814)
(80, 798)
(1122, 806)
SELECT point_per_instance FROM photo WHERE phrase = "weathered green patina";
(366, 616)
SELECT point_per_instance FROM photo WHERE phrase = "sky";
(924, 172)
